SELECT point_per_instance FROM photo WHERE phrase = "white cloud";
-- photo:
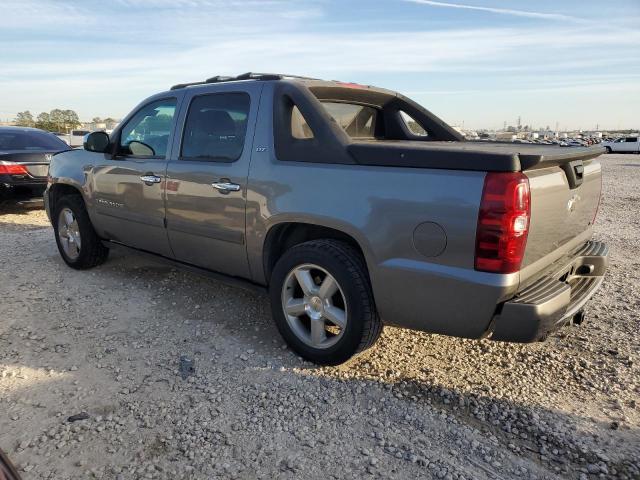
(501, 11)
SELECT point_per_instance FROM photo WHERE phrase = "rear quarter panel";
(381, 207)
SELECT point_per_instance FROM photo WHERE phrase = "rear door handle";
(150, 179)
(225, 186)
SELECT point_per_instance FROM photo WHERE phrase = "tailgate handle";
(574, 172)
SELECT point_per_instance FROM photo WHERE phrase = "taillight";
(503, 222)
(9, 168)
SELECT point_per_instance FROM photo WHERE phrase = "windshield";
(25, 140)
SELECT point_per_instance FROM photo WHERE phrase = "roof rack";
(244, 76)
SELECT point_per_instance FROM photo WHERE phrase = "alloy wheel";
(69, 233)
(314, 306)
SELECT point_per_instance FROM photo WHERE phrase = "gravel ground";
(106, 344)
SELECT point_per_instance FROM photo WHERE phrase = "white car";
(623, 145)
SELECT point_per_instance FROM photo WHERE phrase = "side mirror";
(96, 142)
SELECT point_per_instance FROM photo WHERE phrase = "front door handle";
(150, 179)
(225, 186)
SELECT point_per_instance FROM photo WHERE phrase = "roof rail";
(244, 76)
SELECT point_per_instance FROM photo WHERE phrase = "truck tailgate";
(564, 202)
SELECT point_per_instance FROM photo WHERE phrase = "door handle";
(150, 179)
(225, 186)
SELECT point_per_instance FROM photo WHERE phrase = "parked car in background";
(25, 154)
(623, 145)
(76, 137)
(322, 193)
(62, 136)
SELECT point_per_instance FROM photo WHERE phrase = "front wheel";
(322, 302)
(78, 244)
(608, 149)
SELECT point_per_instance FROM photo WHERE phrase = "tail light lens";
(10, 168)
(503, 222)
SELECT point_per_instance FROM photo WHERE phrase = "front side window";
(147, 133)
(359, 121)
(215, 128)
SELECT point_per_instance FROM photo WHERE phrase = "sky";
(474, 63)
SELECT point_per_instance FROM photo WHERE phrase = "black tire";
(92, 251)
(347, 266)
(608, 149)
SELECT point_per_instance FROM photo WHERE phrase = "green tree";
(96, 120)
(56, 117)
(44, 122)
(70, 120)
(24, 119)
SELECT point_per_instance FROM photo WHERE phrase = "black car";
(24, 158)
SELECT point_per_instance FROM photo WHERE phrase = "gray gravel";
(107, 344)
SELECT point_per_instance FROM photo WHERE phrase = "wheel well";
(59, 190)
(283, 236)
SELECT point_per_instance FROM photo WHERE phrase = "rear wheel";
(322, 302)
(78, 244)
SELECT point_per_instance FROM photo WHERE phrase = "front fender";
(70, 170)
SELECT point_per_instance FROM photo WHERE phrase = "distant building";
(506, 136)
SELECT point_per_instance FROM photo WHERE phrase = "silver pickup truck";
(353, 205)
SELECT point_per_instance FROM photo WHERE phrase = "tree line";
(57, 120)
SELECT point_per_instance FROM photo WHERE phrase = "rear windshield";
(17, 140)
(359, 121)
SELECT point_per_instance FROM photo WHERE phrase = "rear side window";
(215, 128)
(300, 129)
(359, 121)
(413, 126)
(632, 139)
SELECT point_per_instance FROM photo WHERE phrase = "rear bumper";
(22, 181)
(554, 300)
